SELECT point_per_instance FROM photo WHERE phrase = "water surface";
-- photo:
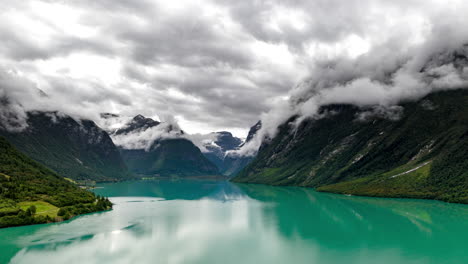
(218, 222)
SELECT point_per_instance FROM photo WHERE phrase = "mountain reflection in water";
(219, 222)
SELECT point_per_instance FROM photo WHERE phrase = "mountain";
(138, 123)
(218, 152)
(234, 163)
(76, 149)
(253, 131)
(31, 193)
(415, 150)
(150, 148)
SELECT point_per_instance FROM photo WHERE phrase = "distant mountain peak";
(108, 115)
(139, 118)
(219, 151)
(253, 130)
(138, 123)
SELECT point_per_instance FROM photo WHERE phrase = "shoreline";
(59, 220)
(347, 194)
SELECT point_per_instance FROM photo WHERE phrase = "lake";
(219, 222)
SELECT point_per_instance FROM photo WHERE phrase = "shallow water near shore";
(220, 222)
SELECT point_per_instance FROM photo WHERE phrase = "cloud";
(191, 60)
(148, 137)
(379, 79)
(220, 65)
(202, 141)
(12, 116)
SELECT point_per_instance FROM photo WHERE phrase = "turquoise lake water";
(218, 222)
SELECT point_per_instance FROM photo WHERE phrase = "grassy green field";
(42, 208)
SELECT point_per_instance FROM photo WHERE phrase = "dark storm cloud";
(207, 56)
(216, 63)
(383, 77)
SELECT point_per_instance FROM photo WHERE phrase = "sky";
(218, 64)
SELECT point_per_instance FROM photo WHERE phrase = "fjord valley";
(416, 149)
(44, 165)
(207, 131)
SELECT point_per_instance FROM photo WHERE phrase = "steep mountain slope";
(169, 157)
(23, 182)
(222, 151)
(79, 150)
(216, 151)
(226, 141)
(234, 163)
(418, 149)
(150, 148)
(253, 131)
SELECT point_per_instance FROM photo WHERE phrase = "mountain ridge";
(79, 150)
(169, 156)
(358, 151)
(222, 152)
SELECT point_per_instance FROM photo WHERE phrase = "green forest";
(32, 194)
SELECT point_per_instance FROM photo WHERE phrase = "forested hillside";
(30, 193)
(79, 150)
(417, 149)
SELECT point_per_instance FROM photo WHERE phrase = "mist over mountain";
(231, 67)
(215, 150)
(79, 89)
(355, 150)
(77, 149)
(160, 149)
(233, 162)
(139, 123)
(434, 66)
(142, 132)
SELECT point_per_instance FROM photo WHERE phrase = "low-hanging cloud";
(202, 141)
(220, 65)
(148, 137)
(378, 79)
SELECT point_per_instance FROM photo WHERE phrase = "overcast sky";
(213, 65)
